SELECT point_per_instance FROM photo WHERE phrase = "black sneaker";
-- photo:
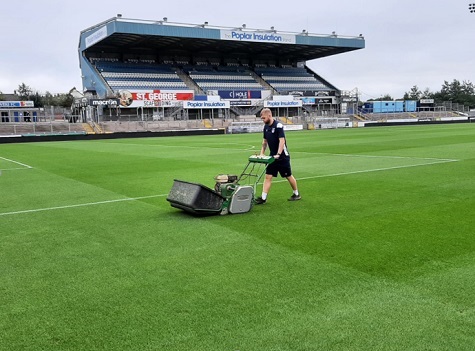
(295, 197)
(259, 201)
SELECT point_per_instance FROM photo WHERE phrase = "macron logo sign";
(259, 37)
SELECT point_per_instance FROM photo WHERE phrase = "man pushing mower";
(274, 137)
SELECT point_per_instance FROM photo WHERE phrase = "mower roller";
(231, 194)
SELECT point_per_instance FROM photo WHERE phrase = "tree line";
(456, 92)
(26, 93)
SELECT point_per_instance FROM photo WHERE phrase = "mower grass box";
(231, 194)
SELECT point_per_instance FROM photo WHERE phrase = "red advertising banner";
(154, 98)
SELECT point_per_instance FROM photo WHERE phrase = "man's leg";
(293, 182)
(267, 183)
(265, 189)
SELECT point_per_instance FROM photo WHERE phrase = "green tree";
(24, 91)
(63, 100)
(426, 94)
(386, 97)
(457, 92)
(413, 94)
(37, 99)
(48, 99)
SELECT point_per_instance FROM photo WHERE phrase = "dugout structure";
(184, 71)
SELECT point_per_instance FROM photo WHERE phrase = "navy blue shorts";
(281, 167)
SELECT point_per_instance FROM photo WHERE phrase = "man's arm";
(264, 146)
(281, 147)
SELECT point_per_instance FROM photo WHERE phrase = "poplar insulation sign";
(258, 37)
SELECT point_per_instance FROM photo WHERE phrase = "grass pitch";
(378, 255)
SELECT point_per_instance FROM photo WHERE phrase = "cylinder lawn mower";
(232, 194)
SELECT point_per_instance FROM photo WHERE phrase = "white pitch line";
(371, 170)
(14, 169)
(379, 156)
(249, 147)
(18, 163)
(252, 147)
(276, 181)
(80, 205)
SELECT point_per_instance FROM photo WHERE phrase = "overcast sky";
(408, 42)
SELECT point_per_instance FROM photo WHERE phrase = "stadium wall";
(119, 135)
(408, 122)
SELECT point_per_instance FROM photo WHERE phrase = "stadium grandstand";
(165, 71)
(156, 75)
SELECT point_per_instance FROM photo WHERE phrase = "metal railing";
(40, 128)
